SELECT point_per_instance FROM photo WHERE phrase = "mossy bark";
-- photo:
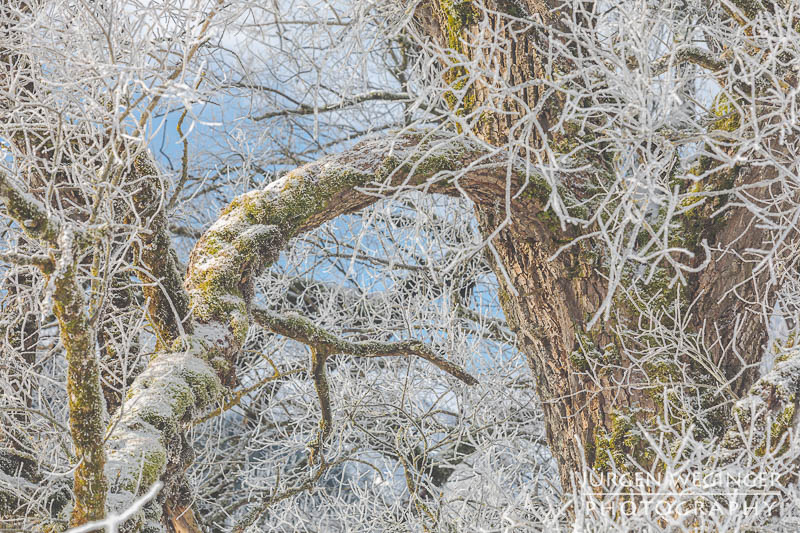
(548, 302)
(85, 397)
(147, 442)
(579, 375)
(168, 303)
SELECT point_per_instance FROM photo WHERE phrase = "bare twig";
(304, 109)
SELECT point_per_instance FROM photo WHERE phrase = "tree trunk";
(593, 391)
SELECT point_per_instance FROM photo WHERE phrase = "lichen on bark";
(145, 440)
(86, 403)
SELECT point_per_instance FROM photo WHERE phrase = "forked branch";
(323, 344)
(303, 330)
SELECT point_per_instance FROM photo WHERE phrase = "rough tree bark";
(147, 440)
(548, 311)
(86, 403)
(548, 302)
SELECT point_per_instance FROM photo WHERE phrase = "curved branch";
(324, 344)
(320, 375)
(693, 54)
(303, 330)
(146, 442)
(168, 303)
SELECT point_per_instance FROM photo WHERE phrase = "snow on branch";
(303, 330)
(305, 109)
(181, 384)
(323, 344)
(29, 212)
(112, 522)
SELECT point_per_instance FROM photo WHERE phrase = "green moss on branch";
(85, 396)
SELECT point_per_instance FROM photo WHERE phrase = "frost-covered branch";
(113, 521)
(178, 386)
(86, 403)
(305, 109)
(303, 330)
(234, 399)
(274, 498)
(29, 212)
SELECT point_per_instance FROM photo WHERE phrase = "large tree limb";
(145, 442)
